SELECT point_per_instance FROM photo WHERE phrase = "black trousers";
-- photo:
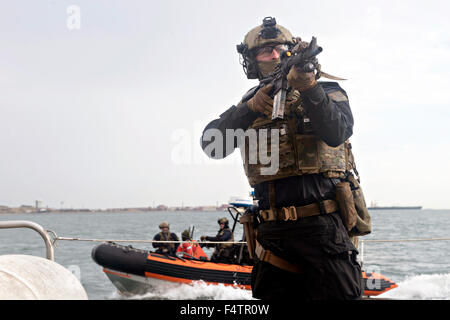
(321, 246)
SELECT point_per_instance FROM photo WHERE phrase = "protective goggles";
(267, 50)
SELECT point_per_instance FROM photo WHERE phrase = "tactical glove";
(261, 101)
(301, 81)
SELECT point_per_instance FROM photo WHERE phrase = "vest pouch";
(166, 247)
(363, 224)
(226, 252)
(344, 197)
(249, 231)
(332, 158)
(256, 152)
(315, 156)
(308, 160)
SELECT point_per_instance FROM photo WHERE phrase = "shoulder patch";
(337, 96)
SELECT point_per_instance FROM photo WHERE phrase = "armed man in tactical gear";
(301, 246)
(223, 252)
(165, 235)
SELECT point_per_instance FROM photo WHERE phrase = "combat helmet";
(268, 33)
(185, 235)
(224, 221)
(164, 224)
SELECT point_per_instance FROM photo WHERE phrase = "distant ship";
(374, 206)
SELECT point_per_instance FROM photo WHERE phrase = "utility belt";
(349, 202)
(295, 213)
(291, 213)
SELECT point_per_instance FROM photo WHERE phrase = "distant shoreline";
(396, 208)
(31, 210)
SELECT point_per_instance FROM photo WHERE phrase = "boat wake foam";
(421, 287)
(196, 291)
(416, 287)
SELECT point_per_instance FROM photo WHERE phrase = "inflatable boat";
(135, 271)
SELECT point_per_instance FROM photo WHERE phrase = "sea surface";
(421, 269)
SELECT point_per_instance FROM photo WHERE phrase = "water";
(421, 269)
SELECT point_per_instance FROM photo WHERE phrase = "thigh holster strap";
(268, 256)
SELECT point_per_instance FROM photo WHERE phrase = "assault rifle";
(303, 57)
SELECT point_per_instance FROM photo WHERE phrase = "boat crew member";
(165, 235)
(191, 247)
(303, 249)
(223, 252)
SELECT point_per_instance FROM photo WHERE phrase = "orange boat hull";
(133, 271)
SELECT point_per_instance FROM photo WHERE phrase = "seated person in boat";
(165, 235)
(223, 251)
(191, 248)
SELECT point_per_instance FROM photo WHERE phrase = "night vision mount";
(269, 29)
(242, 48)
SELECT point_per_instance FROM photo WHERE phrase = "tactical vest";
(225, 245)
(300, 150)
(167, 237)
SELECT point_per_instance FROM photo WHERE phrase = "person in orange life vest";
(190, 247)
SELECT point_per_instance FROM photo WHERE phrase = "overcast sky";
(110, 114)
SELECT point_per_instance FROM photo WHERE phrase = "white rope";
(142, 241)
(235, 242)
